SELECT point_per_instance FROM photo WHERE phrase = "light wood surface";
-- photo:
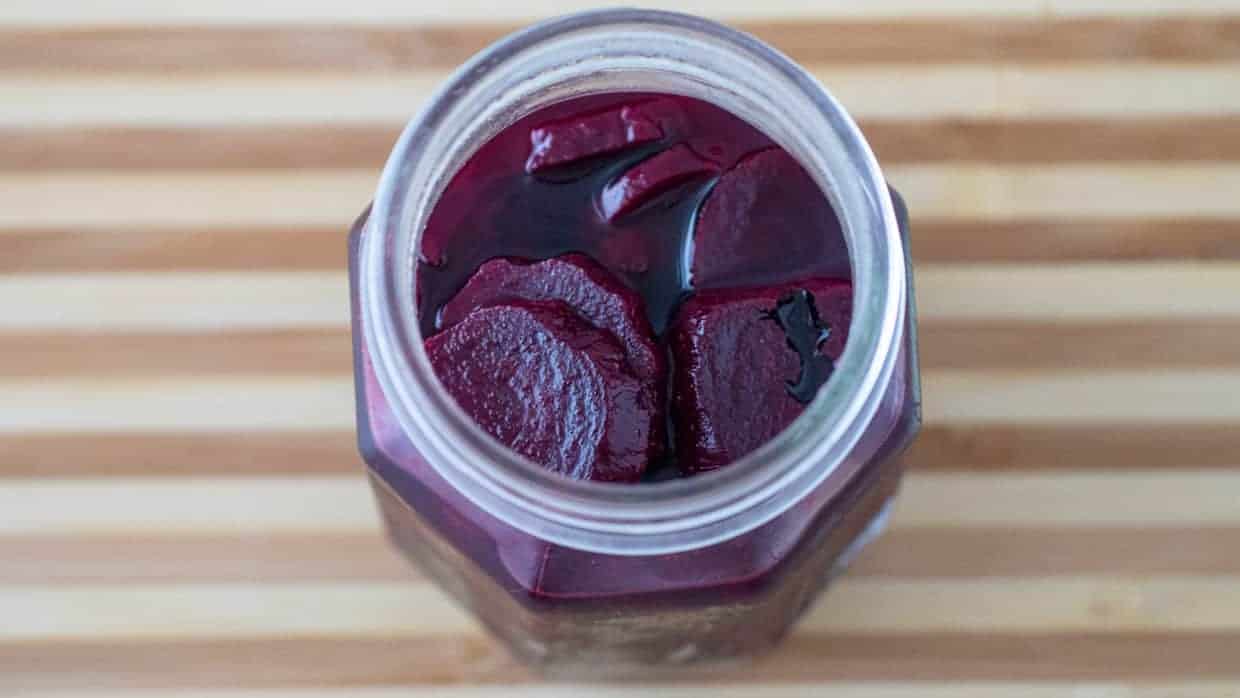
(182, 512)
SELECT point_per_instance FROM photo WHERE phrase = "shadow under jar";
(602, 579)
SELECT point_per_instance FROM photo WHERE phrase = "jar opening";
(632, 51)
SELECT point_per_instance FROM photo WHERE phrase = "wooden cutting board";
(181, 506)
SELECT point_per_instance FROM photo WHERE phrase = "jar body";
(574, 612)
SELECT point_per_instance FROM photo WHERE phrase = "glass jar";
(585, 578)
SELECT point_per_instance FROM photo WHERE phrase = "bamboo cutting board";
(181, 508)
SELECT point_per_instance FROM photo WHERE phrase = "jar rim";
(652, 518)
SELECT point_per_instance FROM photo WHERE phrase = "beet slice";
(765, 221)
(747, 362)
(550, 386)
(625, 250)
(651, 177)
(592, 291)
(584, 136)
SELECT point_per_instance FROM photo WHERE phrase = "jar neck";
(638, 51)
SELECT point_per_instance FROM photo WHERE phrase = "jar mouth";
(646, 51)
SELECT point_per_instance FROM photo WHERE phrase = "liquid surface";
(642, 202)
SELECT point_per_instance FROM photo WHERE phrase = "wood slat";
(985, 448)
(1038, 240)
(83, 13)
(320, 247)
(152, 558)
(214, 404)
(190, 454)
(1137, 90)
(855, 606)
(256, 248)
(145, 302)
(1026, 605)
(843, 689)
(23, 12)
(1037, 140)
(1146, 500)
(132, 200)
(443, 662)
(1205, 139)
(1048, 346)
(1051, 346)
(118, 200)
(1075, 292)
(1061, 191)
(171, 301)
(931, 552)
(1004, 552)
(1105, 447)
(1005, 397)
(211, 404)
(369, 48)
(1002, 656)
(207, 506)
(262, 352)
(201, 148)
(320, 505)
(218, 611)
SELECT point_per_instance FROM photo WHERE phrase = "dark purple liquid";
(494, 208)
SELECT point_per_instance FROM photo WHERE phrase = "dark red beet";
(764, 219)
(652, 177)
(625, 250)
(579, 281)
(550, 386)
(581, 137)
(737, 371)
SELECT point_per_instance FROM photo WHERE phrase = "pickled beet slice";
(747, 362)
(550, 386)
(651, 177)
(584, 136)
(625, 250)
(592, 291)
(764, 220)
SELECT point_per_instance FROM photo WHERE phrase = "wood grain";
(1136, 90)
(949, 344)
(959, 447)
(204, 301)
(1035, 447)
(997, 140)
(373, 48)
(199, 302)
(215, 404)
(1046, 240)
(149, 12)
(1187, 689)
(1004, 397)
(335, 197)
(336, 505)
(75, 454)
(856, 606)
(445, 663)
(182, 508)
(904, 553)
(320, 247)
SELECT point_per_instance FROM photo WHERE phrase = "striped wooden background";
(181, 506)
